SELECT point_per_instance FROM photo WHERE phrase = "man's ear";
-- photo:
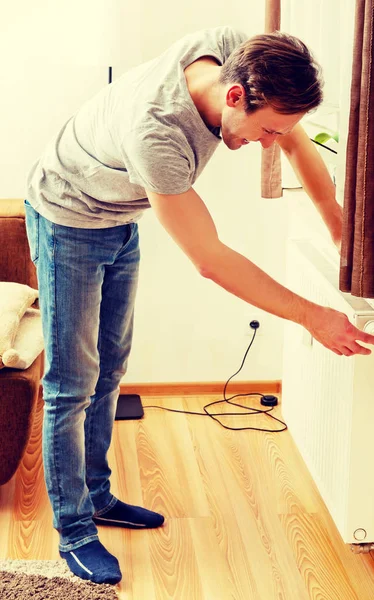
(235, 95)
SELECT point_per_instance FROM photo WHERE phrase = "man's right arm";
(187, 220)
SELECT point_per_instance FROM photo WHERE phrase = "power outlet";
(248, 331)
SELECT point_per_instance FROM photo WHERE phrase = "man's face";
(264, 125)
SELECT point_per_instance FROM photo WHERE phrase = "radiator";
(328, 400)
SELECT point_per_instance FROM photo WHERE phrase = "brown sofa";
(19, 390)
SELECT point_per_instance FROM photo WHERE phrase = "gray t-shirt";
(141, 132)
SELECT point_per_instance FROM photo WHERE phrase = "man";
(142, 142)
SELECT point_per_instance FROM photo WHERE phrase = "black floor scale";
(129, 406)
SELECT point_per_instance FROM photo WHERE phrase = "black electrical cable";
(237, 414)
(323, 146)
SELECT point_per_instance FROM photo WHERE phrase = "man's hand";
(334, 331)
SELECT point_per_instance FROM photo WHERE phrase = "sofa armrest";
(15, 261)
(19, 392)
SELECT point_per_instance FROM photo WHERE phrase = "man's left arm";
(314, 177)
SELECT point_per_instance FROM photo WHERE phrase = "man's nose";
(267, 140)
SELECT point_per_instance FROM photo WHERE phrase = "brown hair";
(277, 70)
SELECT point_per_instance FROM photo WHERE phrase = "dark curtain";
(357, 252)
(271, 175)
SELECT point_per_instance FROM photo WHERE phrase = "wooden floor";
(244, 520)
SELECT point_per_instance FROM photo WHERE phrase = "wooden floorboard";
(244, 520)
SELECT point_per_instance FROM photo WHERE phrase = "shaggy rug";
(48, 579)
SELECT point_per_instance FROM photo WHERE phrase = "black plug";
(254, 324)
(269, 400)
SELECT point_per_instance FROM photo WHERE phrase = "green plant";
(323, 137)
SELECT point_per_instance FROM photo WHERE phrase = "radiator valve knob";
(369, 327)
(360, 534)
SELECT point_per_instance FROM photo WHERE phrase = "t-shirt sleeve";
(159, 161)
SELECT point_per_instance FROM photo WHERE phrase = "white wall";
(187, 328)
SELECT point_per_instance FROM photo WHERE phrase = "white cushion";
(28, 342)
(15, 299)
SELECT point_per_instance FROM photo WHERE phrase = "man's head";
(271, 81)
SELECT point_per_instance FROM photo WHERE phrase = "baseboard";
(200, 387)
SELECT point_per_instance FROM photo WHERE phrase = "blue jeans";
(87, 286)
